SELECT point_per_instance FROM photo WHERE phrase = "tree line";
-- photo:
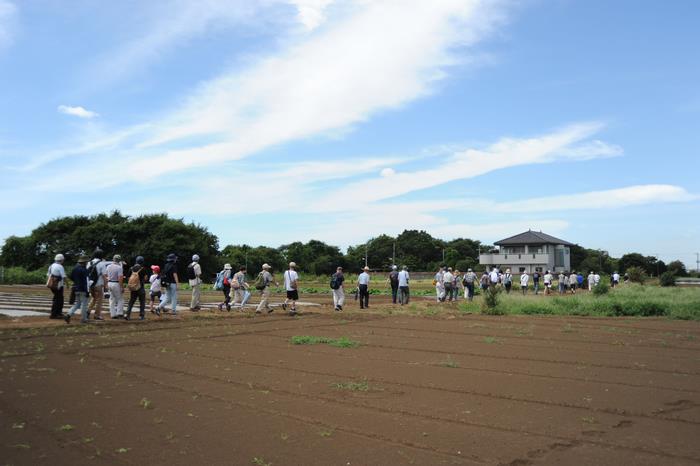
(154, 236)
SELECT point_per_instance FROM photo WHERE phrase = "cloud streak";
(78, 111)
(8, 19)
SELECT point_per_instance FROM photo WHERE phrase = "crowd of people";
(96, 279)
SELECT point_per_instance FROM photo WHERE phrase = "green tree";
(677, 268)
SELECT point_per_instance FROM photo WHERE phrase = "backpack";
(394, 278)
(167, 276)
(468, 278)
(335, 283)
(507, 279)
(190, 272)
(92, 273)
(260, 282)
(220, 281)
(235, 283)
(134, 283)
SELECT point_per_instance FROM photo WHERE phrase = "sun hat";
(227, 266)
(83, 259)
(266, 266)
(116, 258)
(366, 268)
(171, 257)
(59, 258)
(292, 264)
(195, 258)
(155, 268)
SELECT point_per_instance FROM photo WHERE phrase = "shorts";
(293, 295)
(154, 295)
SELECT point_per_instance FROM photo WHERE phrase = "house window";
(522, 269)
(538, 269)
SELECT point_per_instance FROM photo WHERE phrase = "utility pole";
(393, 255)
(697, 262)
(443, 256)
(366, 249)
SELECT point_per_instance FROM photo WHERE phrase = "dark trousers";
(364, 296)
(57, 303)
(394, 292)
(404, 295)
(141, 295)
(227, 294)
(470, 290)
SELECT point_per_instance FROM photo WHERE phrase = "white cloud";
(386, 172)
(8, 19)
(310, 13)
(78, 111)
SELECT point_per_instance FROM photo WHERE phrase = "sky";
(274, 121)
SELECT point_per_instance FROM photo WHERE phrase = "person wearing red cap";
(155, 286)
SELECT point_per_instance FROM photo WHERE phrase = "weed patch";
(342, 342)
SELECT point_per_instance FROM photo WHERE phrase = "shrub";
(490, 304)
(21, 276)
(636, 274)
(667, 279)
(601, 289)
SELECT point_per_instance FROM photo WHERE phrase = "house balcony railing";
(514, 259)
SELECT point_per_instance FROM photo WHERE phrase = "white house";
(529, 252)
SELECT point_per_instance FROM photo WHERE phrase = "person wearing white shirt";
(468, 281)
(403, 286)
(616, 279)
(363, 285)
(494, 276)
(291, 277)
(597, 279)
(439, 284)
(591, 281)
(56, 276)
(447, 283)
(548, 279)
(524, 279)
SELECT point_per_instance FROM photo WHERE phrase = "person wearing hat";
(403, 285)
(227, 277)
(137, 286)
(363, 286)
(169, 281)
(55, 280)
(291, 280)
(114, 276)
(262, 283)
(96, 270)
(468, 281)
(155, 292)
(79, 277)
(194, 276)
(447, 282)
(337, 280)
(393, 280)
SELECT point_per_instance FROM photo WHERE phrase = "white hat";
(292, 264)
(393, 267)
(266, 266)
(195, 258)
(227, 266)
(59, 258)
(366, 268)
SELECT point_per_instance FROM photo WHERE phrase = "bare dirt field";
(232, 389)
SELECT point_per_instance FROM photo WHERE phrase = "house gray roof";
(532, 237)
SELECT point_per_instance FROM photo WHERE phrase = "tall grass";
(628, 300)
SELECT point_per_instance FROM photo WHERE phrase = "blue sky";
(284, 120)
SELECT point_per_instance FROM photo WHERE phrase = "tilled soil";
(417, 390)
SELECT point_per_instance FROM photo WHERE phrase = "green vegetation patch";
(342, 342)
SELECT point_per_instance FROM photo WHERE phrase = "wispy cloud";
(311, 12)
(78, 111)
(8, 18)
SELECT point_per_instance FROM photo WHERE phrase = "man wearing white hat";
(291, 278)
(363, 285)
(262, 283)
(393, 279)
(114, 276)
(194, 274)
(56, 279)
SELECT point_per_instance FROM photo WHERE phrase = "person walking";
(155, 292)
(561, 279)
(393, 280)
(439, 284)
(548, 279)
(226, 279)
(495, 276)
(591, 280)
(447, 283)
(169, 281)
(524, 279)
(508, 280)
(291, 286)
(262, 283)
(55, 281)
(337, 280)
(363, 285)
(114, 276)
(194, 277)
(596, 279)
(79, 277)
(240, 287)
(573, 282)
(615, 279)
(137, 287)
(96, 281)
(536, 281)
(404, 294)
(579, 280)
(468, 281)
(485, 281)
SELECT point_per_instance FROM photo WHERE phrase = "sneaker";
(221, 307)
(142, 317)
(269, 311)
(157, 312)
(258, 312)
(340, 308)
(67, 318)
(284, 306)
(228, 307)
(127, 317)
(99, 318)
